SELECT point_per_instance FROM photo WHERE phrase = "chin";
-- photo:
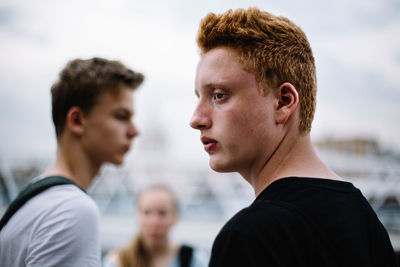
(220, 167)
(154, 243)
(117, 161)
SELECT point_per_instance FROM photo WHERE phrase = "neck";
(293, 157)
(162, 254)
(73, 164)
(161, 249)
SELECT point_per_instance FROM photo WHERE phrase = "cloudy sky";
(356, 45)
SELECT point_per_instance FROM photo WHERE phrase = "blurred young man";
(92, 108)
(256, 88)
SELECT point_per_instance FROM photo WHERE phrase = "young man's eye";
(219, 96)
(122, 117)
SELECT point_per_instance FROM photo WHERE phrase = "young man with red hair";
(256, 88)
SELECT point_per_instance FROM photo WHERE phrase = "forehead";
(118, 96)
(218, 66)
(155, 198)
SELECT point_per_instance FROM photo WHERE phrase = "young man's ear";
(287, 101)
(74, 120)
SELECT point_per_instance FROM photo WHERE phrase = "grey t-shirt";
(59, 227)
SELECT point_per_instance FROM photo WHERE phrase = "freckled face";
(109, 129)
(236, 122)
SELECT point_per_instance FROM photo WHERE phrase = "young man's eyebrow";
(124, 109)
(217, 84)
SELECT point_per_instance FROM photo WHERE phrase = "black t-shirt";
(305, 222)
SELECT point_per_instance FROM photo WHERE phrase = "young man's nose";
(154, 220)
(132, 131)
(200, 118)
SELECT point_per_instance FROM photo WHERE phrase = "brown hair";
(81, 83)
(273, 48)
(135, 254)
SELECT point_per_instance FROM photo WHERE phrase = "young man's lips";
(126, 148)
(209, 144)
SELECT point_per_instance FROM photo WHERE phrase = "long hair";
(134, 255)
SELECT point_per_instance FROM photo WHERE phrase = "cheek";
(248, 129)
(167, 221)
(111, 128)
(146, 221)
(252, 119)
(237, 125)
(142, 223)
(111, 135)
(101, 129)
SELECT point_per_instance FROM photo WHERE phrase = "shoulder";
(111, 259)
(200, 258)
(58, 207)
(66, 215)
(72, 223)
(60, 221)
(69, 203)
(262, 216)
(68, 210)
(258, 234)
(70, 196)
(187, 253)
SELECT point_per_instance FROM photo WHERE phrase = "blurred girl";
(158, 212)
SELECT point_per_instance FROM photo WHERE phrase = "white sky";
(356, 45)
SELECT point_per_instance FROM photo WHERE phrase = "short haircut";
(273, 48)
(82, 82)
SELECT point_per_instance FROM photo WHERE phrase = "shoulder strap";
(185, 255)
(29, 192)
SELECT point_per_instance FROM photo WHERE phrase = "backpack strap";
(185, 255)
(29, 192)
